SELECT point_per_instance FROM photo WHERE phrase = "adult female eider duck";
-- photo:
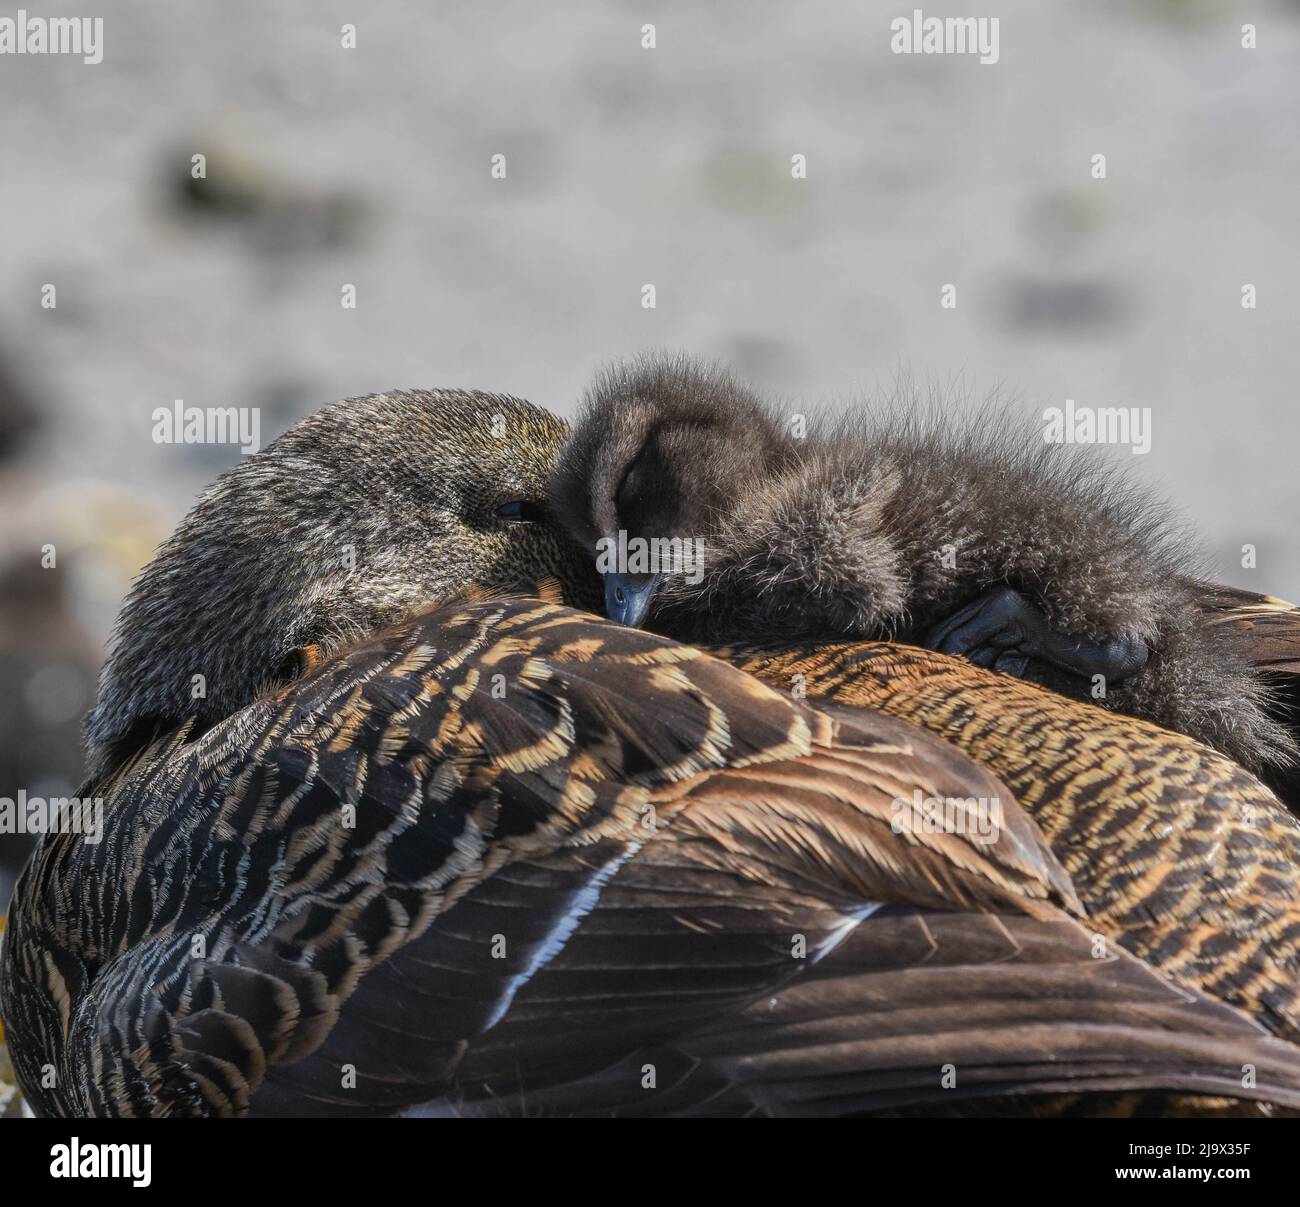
(969, 537)
(418, 847)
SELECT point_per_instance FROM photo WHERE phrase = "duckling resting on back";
(971, 537)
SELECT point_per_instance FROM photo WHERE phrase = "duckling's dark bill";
(628, 597)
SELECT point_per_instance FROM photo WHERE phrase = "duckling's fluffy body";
(887, 524)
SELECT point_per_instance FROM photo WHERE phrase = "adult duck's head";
(364, 513)
(663, 450)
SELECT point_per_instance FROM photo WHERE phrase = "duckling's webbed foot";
(1003, 631)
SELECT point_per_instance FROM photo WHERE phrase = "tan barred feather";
(1177, 853)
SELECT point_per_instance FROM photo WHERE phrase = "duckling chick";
(665, 448)
(972, 537)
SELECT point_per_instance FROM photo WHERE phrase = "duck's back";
(508, 857)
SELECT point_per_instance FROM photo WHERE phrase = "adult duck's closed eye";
(521, 511)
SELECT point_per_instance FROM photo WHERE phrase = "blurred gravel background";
(625, 166)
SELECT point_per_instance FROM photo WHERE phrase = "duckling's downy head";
(360, 515)
(664, 448)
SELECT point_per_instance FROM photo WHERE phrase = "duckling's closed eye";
(521, 511)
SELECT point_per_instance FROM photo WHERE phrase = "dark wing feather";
(912, 1009)
(393, 883)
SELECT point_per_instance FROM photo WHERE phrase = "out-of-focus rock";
(286, 215)
(18, 413)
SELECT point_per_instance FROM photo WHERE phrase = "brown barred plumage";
(315, 890)
(1176, 852)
